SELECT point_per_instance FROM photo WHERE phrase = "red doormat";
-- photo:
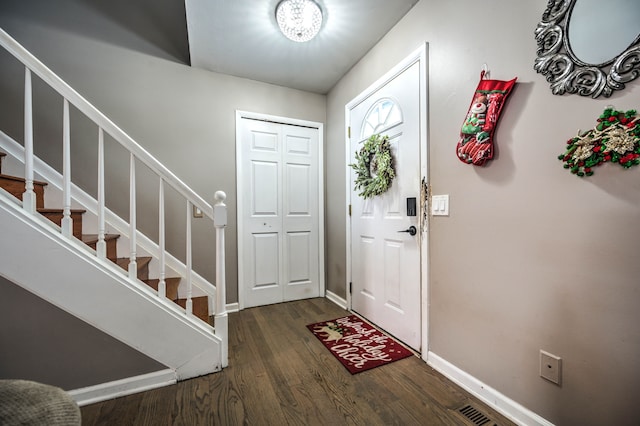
(357, 344)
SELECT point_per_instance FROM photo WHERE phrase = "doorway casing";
(419, 56)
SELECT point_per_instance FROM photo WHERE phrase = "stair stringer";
(95, 291)
(115, 224)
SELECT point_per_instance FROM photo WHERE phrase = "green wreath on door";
(374, 167)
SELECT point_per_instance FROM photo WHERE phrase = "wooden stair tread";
(93, 238)
(171, 286)
(110, 240)
(142, 261)
(57, 215)
(142, 264)
(53, 211)
(16, 186)
(155, 281)
(200, 307)
(19, 179)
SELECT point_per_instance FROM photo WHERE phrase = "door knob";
(411, 231)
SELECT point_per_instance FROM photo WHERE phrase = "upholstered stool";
(23, 402)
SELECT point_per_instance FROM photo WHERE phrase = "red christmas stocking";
(476, 138)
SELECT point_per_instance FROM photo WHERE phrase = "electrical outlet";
(551, 367)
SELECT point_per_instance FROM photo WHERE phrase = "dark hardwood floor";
(280, 374)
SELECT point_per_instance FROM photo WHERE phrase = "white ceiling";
(241, 38)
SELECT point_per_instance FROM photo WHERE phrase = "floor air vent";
(475, 416)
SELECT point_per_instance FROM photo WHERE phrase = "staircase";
(108, 279)
(16, 186)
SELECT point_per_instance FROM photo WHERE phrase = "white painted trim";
(496, 400)
(233, 307)
(337, 299)
(240, 184)
(424, 171)
(420, 56)
(123, 387)
(347, 151)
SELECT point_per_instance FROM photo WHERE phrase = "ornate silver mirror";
(589, 47)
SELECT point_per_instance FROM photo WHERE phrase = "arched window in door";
(382, 115)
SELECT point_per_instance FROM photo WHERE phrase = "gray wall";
(41, 342)
(531, 257)
(128, 63)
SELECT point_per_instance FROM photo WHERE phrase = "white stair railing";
(217, 214)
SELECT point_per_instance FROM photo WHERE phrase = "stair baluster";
(189, 305)
(133, 267)
(162, 286)
(29, 196)
(67, 222)
(101, 245)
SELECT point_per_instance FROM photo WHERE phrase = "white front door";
(279, 196)
(386, 262)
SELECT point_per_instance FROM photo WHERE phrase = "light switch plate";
(440, 205)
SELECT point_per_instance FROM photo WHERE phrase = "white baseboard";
(499, 402)
(336, 299)
(232, 307)
(128, 386)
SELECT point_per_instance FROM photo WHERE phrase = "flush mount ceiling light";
(299, 20)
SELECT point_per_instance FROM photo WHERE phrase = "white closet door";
(279, 259)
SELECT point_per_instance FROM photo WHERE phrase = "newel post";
(221, 324)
